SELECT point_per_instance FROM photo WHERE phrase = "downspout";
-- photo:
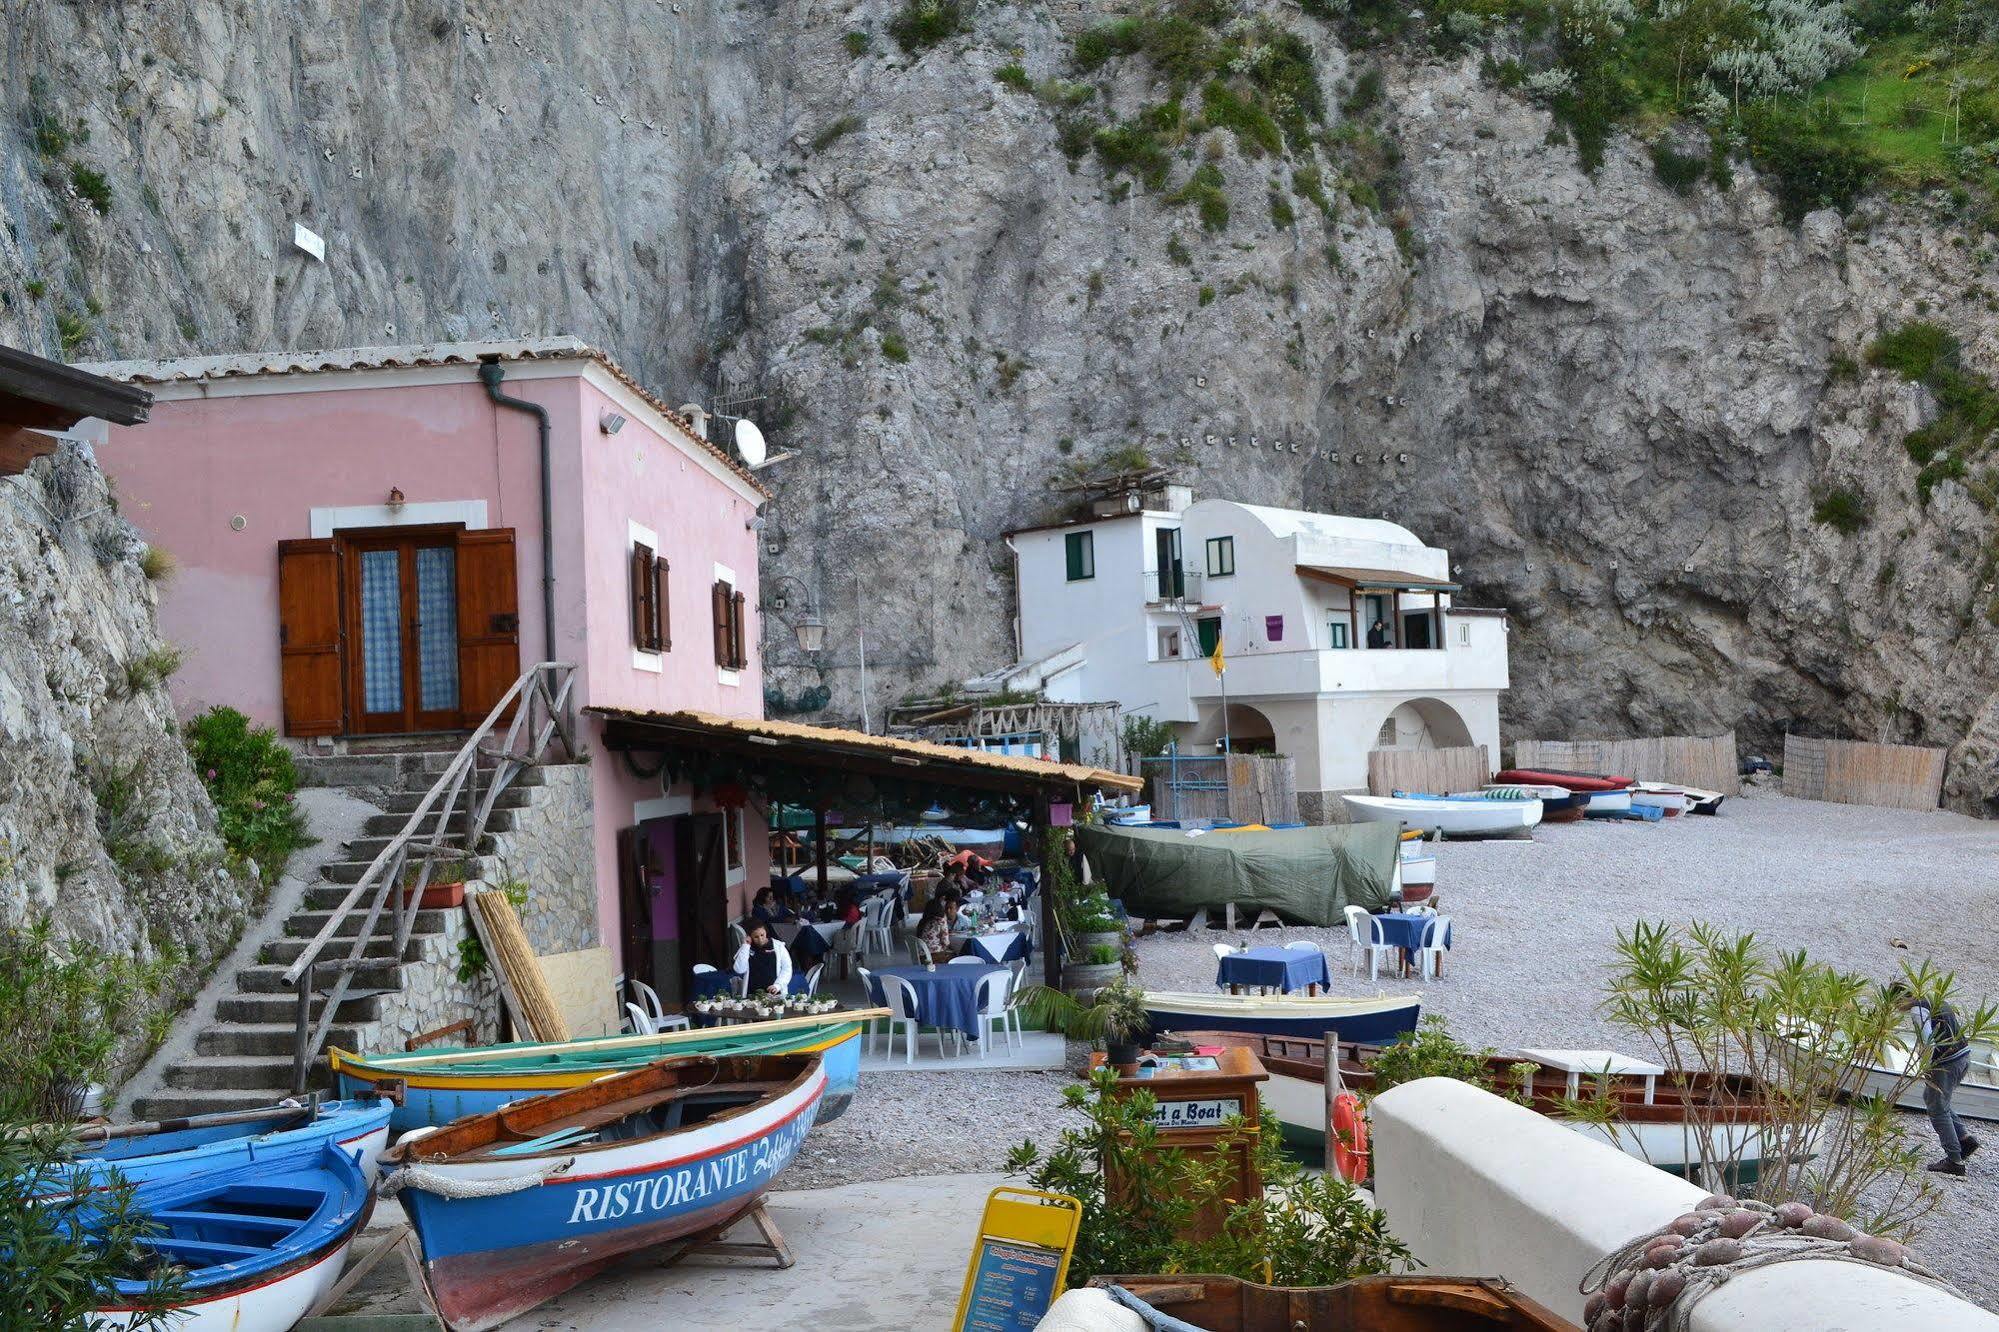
(490, 374)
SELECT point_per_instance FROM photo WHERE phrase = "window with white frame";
(1169, 642)
(1221, 556)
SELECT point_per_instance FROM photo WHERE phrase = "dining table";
(1405, 930)
(1280, 969)
(946, 996)
(1001, 945)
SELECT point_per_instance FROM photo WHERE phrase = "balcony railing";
(1171, 587)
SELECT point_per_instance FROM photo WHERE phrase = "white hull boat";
(1668, 800)
(1697, 800)
(1977, 1096)
(1449, 818)
(1609, 802)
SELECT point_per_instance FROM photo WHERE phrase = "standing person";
(761, 963)
(1940, 1039)
(1377, 635)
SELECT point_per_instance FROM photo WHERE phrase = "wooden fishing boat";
(1557, 805)
(1608, 804)
(1698, 801)
(263, 1242)
(1670, 801)
(173, 1148)
(1446, 817)
(442, 1085)
(1894, 1075)
(514, 1207)
(1650, 1120)
(1568, 781)
(1375, 1020)
(1366, 1304)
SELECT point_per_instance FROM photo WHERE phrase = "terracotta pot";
(439, 897)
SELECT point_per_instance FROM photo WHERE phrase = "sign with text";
(1209, 1112)
(1019, 1260)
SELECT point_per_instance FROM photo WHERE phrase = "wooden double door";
(398, 629)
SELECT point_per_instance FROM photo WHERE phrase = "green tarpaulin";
(1306, 875)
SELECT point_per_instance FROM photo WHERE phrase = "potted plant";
(1116, 1017)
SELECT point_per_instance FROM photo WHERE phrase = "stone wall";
(551, 849)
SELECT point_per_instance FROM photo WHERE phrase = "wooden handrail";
(549, 687)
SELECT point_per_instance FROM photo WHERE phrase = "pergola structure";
(815, 759)
(1363, 582)
(39, 395)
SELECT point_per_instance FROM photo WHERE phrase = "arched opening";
(1422, 723)
(1248, 732)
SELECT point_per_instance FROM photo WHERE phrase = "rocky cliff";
(1619, 405)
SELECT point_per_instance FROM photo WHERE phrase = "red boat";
(1568, 781)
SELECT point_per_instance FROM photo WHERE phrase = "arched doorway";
(1248, 731)
(1422, 723)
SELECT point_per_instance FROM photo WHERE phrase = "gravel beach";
(1536, 922)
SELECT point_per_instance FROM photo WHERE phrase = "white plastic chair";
(1303, 946)
(919, 953)
(1366, 935)
(1223, 950)
(901, 1001)
(994, 992)
(1430, 952)
(876, 936)
(641, 1024)
(812, 978)
(655, 1012)
(967, 959)
(868, 997)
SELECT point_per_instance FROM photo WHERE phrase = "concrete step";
(348, 872)
(361, 1004)
(367, 848)
(267, 1038)
(270, 979)
(180, 1102)
(389, 825)
(230, 1072)
(284, 952)
(305, 925)
(401, 804)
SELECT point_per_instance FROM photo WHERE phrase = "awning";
(1375, 580)
(37, 396)
(855, 751)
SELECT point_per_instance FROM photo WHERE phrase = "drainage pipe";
(490, 374)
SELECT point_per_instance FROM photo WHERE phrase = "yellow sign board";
(1020, 1260)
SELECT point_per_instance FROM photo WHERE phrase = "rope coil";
(1653, 1283)
(454, 1186)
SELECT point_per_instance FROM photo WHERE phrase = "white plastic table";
(1576, 1063)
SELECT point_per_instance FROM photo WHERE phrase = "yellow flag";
(1215, 659)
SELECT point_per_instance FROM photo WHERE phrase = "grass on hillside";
(1897, 99)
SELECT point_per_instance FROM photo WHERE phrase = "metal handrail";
(548, 688)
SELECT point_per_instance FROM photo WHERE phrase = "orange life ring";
(1349, 1130)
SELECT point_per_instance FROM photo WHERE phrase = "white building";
(1127, 607)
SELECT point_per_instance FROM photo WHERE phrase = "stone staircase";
(244, 1057)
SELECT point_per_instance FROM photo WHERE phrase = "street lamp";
(808, 627)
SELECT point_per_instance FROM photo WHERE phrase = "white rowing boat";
(1698, 801)
(1449, 818)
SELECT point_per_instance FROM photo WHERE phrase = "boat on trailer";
(514, 1207)
(1375, 1020)
(1365, 1304)
(262, 1242)
(172, 1148)
(1446, 817)
(1651, 1105)
(439, 1086)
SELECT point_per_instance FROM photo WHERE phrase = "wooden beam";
(19, 447)
(787, 754)
(1051, 935)
(69, 392)
(819, 837)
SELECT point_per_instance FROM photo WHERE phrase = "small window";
(1221, 556)
(1081, 549)
(650, 621)
(1336, 634)
(732, 838)
(1169, 644)
(728, 606)
(1386, 739)
(1464, 635)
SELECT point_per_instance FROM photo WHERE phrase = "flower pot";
(1086, 978)
(1102, 939)
(439, 896)
(1122, 1055)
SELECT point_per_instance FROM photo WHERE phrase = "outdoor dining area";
(1406, 942)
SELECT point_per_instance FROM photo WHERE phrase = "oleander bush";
(252, 779)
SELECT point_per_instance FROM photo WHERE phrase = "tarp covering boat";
(1306, 875)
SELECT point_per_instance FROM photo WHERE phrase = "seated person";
(848, 909)
(934, 929)
(762, 963)
(766, 908)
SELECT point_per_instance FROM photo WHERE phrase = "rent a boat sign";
(1209, 1112)
(688, 1185)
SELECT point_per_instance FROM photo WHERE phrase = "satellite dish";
(750, 443)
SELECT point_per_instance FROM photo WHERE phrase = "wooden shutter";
(721, 603)
(739, 657)
(662, 604)
(489, 621)
(309, 636)
(645, 602)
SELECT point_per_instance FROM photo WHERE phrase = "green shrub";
(1430, 1052)
(157, 564)
(1204, 190)
(252, 779)
(64, 1008)
(834, 132)
(152, 668)
(857, 44)
(1366, 94)
(1917, 351)
(922, 24)
(1843, 510)
(1146, 737)
(1679, 172)
(1310, 185)
(1134, 147)
(894, 348)
(1281, 213)
(71, 331)
(1813, 160)
(96, 190)
(1014, 76)
(1177, 251)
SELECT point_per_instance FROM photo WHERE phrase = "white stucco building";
(1128, 607)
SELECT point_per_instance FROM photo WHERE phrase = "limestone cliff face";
(1617, 404)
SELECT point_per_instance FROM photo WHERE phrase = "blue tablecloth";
(1404, 930)
(1282, 969)
(794, 884)
(897, 880)
(946, 997)
(980, 946)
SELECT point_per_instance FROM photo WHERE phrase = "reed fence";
(1705, 761)
(1428, 771)
(1240, 788)
(1854, 772)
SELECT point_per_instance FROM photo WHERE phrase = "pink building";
(378, 541)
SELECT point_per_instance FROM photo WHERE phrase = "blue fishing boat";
(1374, 1021)
(262, 1242)
(514, 1207)
(173, 1148)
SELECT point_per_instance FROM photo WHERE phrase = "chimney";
(697, 416)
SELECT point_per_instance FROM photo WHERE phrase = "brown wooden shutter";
(489, 621)
(721, 603)
(736, 604)
(645, 608)
(662, 603)
(309, 636)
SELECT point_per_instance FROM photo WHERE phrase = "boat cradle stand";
(710, 1244)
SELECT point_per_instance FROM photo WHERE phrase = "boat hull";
(274, 1306)
(436, 1094)
(1602, 803)
(1367, 1022)
(490, 1259)
(1450, 818)
(360, 1128)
